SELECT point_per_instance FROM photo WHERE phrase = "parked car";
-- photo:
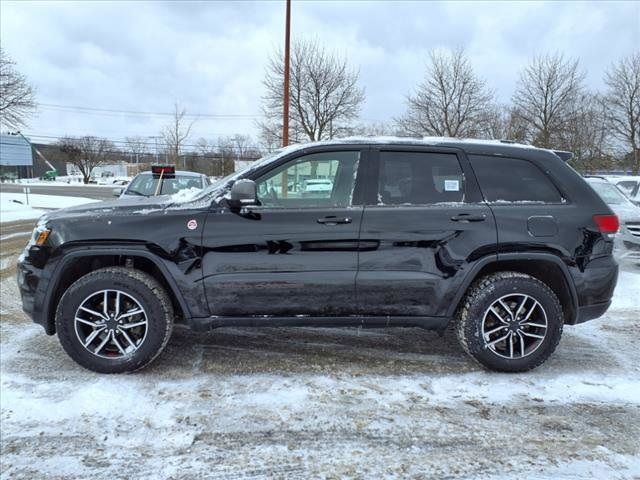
(634, 196)
(317, 187)
(49, 175)
(170, 180)
(626, 183)
(505, 243)
(629, 214)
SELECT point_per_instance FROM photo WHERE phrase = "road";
(302, 403)
(96, 192)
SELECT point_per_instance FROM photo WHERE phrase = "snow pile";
(13, 206)
(185, 195)
(12, 211)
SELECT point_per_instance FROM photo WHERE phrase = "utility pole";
(285, 110)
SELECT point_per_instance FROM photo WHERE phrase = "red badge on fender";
(192, 224)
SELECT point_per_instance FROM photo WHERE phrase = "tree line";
(213, 158)
(551, 107)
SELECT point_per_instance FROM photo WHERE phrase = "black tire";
(481, 295)
(145, 290)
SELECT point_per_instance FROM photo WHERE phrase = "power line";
(146, 141)
(114, 112)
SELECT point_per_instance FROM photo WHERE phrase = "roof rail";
(564, 156)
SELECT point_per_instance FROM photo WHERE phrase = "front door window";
(317, 180)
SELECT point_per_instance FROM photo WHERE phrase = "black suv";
(505, 242)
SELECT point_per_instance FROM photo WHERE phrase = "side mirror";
(117, 192)
(243, 194)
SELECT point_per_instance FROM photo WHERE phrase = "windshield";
(225, 182)
(609, 193)
(147, 184)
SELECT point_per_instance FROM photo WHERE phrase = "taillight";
(607, 223)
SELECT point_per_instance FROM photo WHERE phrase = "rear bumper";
(595, 285)
(590, 312)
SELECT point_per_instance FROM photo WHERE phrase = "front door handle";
(469, 217)
(333, 220)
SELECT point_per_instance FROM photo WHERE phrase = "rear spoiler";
(564, 156)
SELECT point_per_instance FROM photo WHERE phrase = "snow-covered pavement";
(319, 403)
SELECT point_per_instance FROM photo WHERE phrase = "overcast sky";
(210, 56)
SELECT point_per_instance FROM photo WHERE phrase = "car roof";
(184, 173)
(470, 146)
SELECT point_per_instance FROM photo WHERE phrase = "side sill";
(210, 323)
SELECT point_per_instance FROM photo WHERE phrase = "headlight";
(42, 236)
(40, 233)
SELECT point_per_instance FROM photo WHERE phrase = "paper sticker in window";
(452, 185)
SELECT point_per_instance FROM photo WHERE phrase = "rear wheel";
(114, 320)
(510, 322)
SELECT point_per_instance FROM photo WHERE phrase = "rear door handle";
(333, 220)
(469, 217)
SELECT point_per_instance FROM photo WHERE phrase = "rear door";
(423, 225)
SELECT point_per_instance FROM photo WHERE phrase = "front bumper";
(32, 283)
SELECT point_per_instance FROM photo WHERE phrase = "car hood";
(122, 206)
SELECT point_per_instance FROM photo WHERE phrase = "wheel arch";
(77, 263)
(546, 267)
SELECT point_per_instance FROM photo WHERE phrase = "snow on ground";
(11, 211)
(71, 181)
(13, 206)
(320, 403)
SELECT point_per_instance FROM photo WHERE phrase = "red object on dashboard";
(163, 169)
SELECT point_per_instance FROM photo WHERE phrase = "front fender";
(184, 281)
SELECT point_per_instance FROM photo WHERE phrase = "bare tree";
(86, 153)
(623, 104)
(176, 133)
(324, 95)
(244, 147)
(17, 98)
(587, 136)
(373, 129)
(504, 123)
(137, 147)
(451, 100)
(546, 96)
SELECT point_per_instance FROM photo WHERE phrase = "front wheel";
(114, 320)
(510, 322)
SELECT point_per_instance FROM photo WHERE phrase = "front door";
(296, 253)
(423, 224)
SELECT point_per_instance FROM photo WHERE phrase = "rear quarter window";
(513, 180)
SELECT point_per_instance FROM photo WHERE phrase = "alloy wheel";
(111, 324)
(514, 326)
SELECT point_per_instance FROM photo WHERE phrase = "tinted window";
(419, 178)
(513, 180)
(317, 180)
(147, 184)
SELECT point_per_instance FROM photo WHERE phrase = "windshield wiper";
(135, 192)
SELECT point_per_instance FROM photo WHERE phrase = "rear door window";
(513, 180)
(419, 178)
